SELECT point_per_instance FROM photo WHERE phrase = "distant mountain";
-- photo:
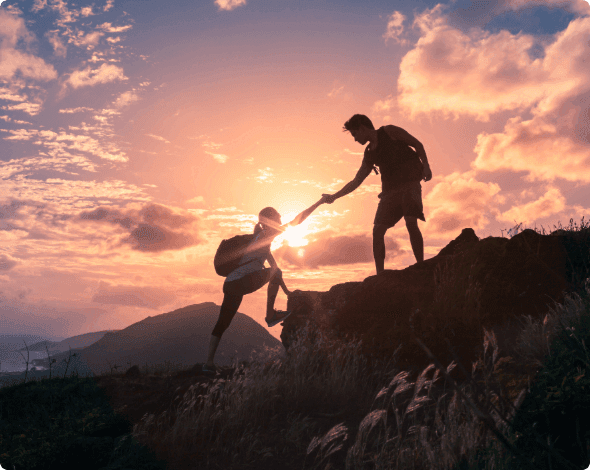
(15, 342)
(78, 341)
(181, 337)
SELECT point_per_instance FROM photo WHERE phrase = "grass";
(325, 406)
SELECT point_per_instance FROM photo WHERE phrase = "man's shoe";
(277, 317)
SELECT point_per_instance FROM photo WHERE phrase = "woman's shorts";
(249, 283)
(397, 203)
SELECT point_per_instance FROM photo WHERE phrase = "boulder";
(471, 284)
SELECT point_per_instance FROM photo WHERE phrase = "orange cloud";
(475, 73)
(153, 228)
(552, 202)
(460, 201)
(109, 28)
(229, 4)
(7, 263)
(12, 60)
(59, 48)
(555, 142)
(89, 77)
(395, 28)
(326, 248)
(90, 40)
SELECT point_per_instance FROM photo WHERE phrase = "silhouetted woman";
(251, 275)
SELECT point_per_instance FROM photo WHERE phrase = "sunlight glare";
(294, 235)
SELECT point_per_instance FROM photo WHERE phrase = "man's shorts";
(397, 203)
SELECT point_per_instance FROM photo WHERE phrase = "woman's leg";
(229, 307)
(276, 281)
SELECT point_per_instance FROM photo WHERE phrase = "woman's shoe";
(277, 317)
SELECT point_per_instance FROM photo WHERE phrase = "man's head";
(359, 125)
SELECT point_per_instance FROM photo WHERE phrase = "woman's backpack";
(230, 252)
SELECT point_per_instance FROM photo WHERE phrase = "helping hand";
(328, 198)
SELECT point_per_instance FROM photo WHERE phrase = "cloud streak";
(154, 228)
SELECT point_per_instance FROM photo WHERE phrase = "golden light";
(294, 235)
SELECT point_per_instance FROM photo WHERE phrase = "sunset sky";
(135, 135)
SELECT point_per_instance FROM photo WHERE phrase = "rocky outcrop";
(470, 285)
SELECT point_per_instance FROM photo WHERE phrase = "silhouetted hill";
(74, 342)
(181, 337)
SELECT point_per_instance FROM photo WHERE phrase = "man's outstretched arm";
(349, 187)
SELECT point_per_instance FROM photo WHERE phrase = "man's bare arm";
(397, 133)
(349, 187)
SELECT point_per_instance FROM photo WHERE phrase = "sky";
(136, 135)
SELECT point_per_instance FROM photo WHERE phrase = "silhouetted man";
(402, 168)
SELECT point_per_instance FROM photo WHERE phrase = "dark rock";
(470, 285)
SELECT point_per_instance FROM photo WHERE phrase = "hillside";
(180, 337)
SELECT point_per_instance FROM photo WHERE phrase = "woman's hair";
(266, 213)
(357, 121)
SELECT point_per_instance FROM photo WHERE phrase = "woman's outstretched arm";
(305, 214)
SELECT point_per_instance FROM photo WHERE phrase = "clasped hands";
(328, 198)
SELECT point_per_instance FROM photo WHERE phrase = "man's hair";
(357, 121)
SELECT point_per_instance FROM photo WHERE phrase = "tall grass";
(270, 409)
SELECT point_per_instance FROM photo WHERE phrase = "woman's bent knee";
(277, 275)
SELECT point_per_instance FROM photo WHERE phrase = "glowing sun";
(294, 235)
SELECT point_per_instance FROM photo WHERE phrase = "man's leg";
(416, 239)
(379, 246)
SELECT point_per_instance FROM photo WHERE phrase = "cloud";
(458, 201)
(555, 142)
(550, 203)
(395, 28)
(336, 90)
(153, 228)
(198, 200)
(30, 108)
(38, 5)
(212, 145)
(108, 5)
(59, 48)
(106, 73)
(90, 40)
(109, 28)
(326, 248)
(157, 137)
(75, 110)
(476, 73)
(57, 143)
(229, 4)
(265, 175)
(132, 296)
(218, 157)
(125, 99)
(6, 263)
(470, 13)
(14, 36)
